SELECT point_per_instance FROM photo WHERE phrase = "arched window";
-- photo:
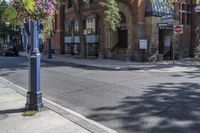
(68, 28)
(69, 3)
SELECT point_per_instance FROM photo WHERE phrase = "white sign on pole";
(143, 44)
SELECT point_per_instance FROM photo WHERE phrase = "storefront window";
(91, 26)
(76, 27)
(69, 3)
(185, 14)
(68, 28)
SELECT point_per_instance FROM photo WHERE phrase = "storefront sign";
(92, 38)
(68, 39)
(167, 26)
(143, 44)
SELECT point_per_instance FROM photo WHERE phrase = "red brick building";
(143, 34)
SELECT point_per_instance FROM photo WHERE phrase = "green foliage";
(15, 13)
(48, 27)
(19, 10)
(10, 14)
(29, 113)
(29, 5)
(4, 28)
(112, 13)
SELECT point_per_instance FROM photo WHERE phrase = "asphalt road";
(126, 101)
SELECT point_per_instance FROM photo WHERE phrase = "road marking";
(108, 130)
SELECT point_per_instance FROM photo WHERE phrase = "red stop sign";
(178, 29)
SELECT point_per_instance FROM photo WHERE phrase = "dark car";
(10, 50)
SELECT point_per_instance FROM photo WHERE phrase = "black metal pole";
(191, 29)
(49, 49)
(34, 95)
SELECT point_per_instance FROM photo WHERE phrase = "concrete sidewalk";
(186, 64)
(47, 121)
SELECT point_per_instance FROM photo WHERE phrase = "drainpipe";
(191, 29)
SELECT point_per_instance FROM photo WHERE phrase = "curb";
(91, 66)
(72, 116)
(78, 65)
(108, 68)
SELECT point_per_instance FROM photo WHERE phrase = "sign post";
(143, 47)
(85, 32)
(178, 29)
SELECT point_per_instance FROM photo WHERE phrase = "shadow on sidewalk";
(12, 111)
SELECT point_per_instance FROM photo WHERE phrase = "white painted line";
(68, 110)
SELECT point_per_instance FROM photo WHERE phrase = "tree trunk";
(82, 40)
(78, 8)
(4, 39)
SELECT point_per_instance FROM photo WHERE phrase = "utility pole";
(34, 95)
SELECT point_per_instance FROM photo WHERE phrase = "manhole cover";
(3, 116)
(193, 105)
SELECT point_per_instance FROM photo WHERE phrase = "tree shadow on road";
(164, 108)
(191, 75)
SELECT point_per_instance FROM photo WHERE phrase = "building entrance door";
(165, 43)
(123, 38)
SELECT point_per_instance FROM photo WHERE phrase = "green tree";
(5, 29)
(19, 10)
(48, 31)
(112, 18)
(48, 28)
(112, 13)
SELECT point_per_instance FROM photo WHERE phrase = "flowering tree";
(19, 10)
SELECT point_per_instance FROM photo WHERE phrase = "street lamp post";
(34, 95)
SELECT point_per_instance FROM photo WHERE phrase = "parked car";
(10, 50)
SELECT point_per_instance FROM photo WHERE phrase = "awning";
(159, 8)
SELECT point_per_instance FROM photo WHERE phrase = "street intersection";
(127, 101)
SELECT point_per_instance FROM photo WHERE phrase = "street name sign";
(167, 18)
